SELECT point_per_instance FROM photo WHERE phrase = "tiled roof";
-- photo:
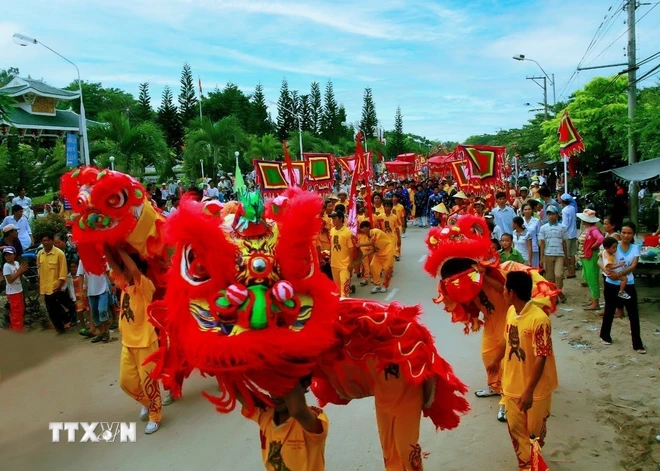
(63, 119)
(38, 87)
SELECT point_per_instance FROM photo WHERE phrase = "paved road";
(72, 380)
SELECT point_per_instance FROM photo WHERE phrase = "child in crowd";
(507, 252)
(12, 272)
(292, 433)
(610, 245)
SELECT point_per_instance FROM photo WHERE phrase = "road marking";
(422, 259)
(389, 297)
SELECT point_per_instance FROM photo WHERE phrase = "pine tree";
(316, 108)
(143, 111)
(259, 120)
(369, 120)
(168, 119)
(187, 99)
(329, 130)
(396, 144)
(285, 118)
(305, 110)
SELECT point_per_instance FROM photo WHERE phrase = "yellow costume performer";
(341, 259)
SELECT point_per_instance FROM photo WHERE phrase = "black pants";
(612, 300)
(55, 311)
(68, 305)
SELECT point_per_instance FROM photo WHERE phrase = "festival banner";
(400, 169)
(361, 172)
(570, 142)
(319, 172)
(270, 177)
(484, 163)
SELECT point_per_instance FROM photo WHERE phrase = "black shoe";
(97, 339)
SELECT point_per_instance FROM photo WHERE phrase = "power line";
(610, 44)
(648, 74)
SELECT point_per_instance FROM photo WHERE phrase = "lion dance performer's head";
(461, 255)
(245, 299)
(111, 208)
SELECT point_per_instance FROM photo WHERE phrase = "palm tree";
(133, 147)
(206, 141)
(268, 148)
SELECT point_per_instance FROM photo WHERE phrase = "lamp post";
(201, 163)
(112, 162)
(521, 57)
(23, 40)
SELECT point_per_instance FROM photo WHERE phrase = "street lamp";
(112, 162)
(23, 40)
(521, 57)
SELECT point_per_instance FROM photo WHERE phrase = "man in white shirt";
(212, 192)
(568, 220)
(164, 191)
(22, 225)
(21, 199)
(503, 213)
(98, 293)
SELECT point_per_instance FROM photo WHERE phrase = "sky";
(448, 64)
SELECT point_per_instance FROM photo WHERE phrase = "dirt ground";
(605, 413)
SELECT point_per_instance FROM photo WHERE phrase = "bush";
(42, 200)
(51, 224)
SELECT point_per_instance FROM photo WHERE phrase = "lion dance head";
(245, 301)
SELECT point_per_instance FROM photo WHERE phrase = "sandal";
(605, 342)
(597, 308)
(486, 392)
(641, 351)
(105, 338)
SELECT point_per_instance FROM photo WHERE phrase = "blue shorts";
(99, 307)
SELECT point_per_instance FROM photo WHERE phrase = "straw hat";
(440, 208)
(461, 195)
(588, 215)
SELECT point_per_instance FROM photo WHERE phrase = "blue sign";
(72, 150)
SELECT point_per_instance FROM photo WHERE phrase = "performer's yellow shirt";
(341, 242)
(400, 212)
(389, 225)
(363, 239)
(382, 242)
(136, 330)
(527, 336)
(378, 210)
(289, 445)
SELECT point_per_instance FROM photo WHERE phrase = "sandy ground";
(605, 412)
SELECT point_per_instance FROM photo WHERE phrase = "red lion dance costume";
(247, 302)
(472, 280)
(111, 208)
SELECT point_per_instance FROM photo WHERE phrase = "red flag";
(538, 463)
(360, 172)
(289, 166)
(200, 85)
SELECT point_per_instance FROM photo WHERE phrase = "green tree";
(230, 101)
(54, 166)
(369, 119)
(329, 119)
(169, 121)
(133, 147)
(7, 75)
(187, 99)
(305, 110)
(285, 115)
(99, 100)
(212, 143)
(259, 120)
(5, 105)
(143, 111)
(396, 142)
(266, 148)
(316, 106)
(646, 126)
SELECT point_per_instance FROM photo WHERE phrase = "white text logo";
(93, 431)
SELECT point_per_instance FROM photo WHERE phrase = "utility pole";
(630, 6)
(545, 91)
(632, 103)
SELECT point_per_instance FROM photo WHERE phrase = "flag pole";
(199, 80)
(565, 159)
